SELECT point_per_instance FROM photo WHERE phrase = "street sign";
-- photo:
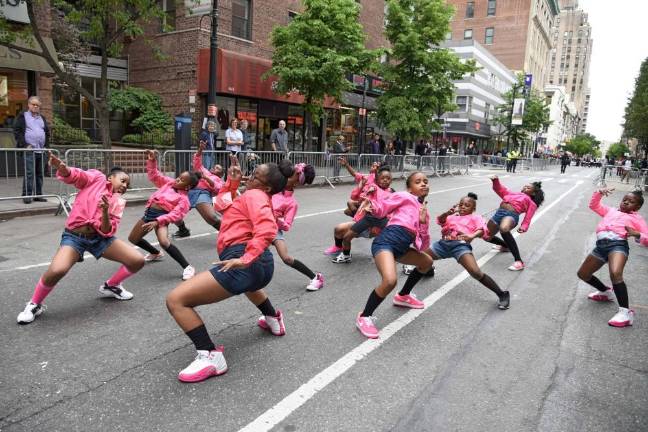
(518, 111)
(362, 111)
(528, 78)
(211, 110)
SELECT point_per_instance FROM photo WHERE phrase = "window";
(242, 19)
(491, 8)
(470, 9)
(167, 23)
(490, 34)
(448, 36)
(467, 34)
(462, 103)
(486, 113)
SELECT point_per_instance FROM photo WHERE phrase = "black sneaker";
(504, 301)
(181, 233)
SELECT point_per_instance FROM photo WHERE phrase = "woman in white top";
(233, 137)
(625, 172)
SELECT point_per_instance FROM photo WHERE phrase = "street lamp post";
(213, 48)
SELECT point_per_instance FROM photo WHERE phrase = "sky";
(619, 33)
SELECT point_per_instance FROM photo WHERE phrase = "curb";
(11, 214)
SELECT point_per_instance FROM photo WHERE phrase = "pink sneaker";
(316, 283)
(623, 318)
(602, 296)
(207, 364)
(516, 266)
(274, 325)
(366, 326)
(333, 250)
(408, 301)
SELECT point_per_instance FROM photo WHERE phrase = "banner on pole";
(518, 111)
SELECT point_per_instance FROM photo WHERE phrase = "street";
(549, 363)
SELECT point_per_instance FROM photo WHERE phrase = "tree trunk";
(308, 128)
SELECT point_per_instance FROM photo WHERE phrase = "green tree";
(617, 150)
(101, 23)
(316, 51)
(145, 106)
(534, 119)
(582, 145)
(419, 76)
(636, 112)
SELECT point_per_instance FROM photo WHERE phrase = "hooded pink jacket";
(521, 202)
(615, 220)
(175, 202)
(284, 207)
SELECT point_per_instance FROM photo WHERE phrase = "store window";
(13, 95)
(295, 127)
(242, 19)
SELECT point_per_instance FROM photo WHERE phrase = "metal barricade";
(174, 162)
(411, 163)
(429, 165)
(335, 171)
(25, 174)
(395, 162)
(611, 176)
(497, 162)
(250, 159)
(443, 165)
(318, 160)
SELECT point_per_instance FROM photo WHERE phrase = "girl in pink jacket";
(91, 227)
(284, 207)
(508, 214)
(169, 204)
(408, 226)
(612, 247)
(459, 226)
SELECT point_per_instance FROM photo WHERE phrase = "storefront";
(459, 135)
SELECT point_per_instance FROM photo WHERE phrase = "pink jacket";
(521, 202)
(615, 220)
(92, 185)
(175, 202)
(357, 191)
(379, 194)
(403, 208)
(204, 184)
(284, 207)
(456, 224)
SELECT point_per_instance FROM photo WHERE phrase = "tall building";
(571, 54)
(583, 122)
(244, 55)
(517, 32)
(563, 117)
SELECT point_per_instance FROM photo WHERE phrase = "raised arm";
(152, 171)
(499, 188)
(595, 202)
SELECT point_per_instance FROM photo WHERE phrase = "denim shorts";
(501, 213)
(605, 247)
(394, 239)
(252, 278)
(95, 245)
(199, 196)
(451, 249)
(151, 214)
(368, 222)
(280, 236)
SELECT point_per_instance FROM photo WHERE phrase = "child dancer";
(245, 266)
(91, 227)
(408, 224)
(460, 226)
(361, 181)
(365, 225)
(612, 247)
(507, 216)
(167, 205)
(200, 197)
(285, 207)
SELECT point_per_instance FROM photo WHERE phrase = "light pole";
(213, 51)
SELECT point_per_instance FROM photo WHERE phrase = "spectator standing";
(399, 146)
(208, 139)
(374, 145)
(233, 137)
(443, 152)
(420, 148)
(381, 141)
(564, 162)
(338, 148)
(247, 136)
(279, 138)
(31, 132)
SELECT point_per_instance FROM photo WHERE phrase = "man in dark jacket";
(31, 132)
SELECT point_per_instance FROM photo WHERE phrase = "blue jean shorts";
(151, 214)
(605, 247)
(95, 245)
(394, 239)
(502, 213)
(238, 281)
(451, 249)
(199, 196)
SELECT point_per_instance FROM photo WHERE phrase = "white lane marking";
(574, 175)
(563, 181)
(299, 397)
(548, 179)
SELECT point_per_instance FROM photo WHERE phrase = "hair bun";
(537, 184)
(472, 195)
(286, 168)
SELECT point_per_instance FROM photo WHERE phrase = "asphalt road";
(550, 363)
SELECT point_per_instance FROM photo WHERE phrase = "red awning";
(240, 75)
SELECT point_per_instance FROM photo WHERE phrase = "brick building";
(517, 32)
(244, 53)
(571, 54)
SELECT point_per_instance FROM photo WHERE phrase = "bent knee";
(478, 275)
(135, 264)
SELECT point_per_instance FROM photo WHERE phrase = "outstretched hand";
(104, 204)
(606, 191)
(493, 177)
(58, 164)
(230, 264)
(342, 161)
(632, 232)
(151, 154)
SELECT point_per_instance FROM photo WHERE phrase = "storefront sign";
(16, 59)
(15, 10)
(211, 110)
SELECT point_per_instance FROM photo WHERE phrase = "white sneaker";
(153, 257)
(207, 364)
(117, 292)
(316, 283)
(602, 296)
(341, 259)
(274, 325)
(188, 273)
(408, 269)
(623, 318)
(32, 310)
